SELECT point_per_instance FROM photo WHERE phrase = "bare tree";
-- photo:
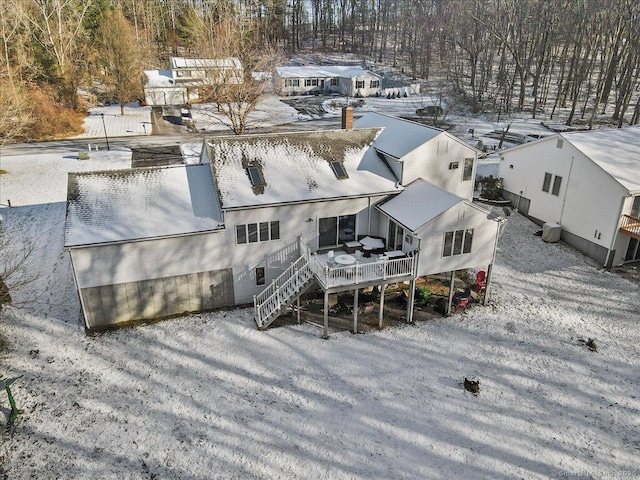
(16, 110)
(57, 25)
(15, 273)
(119, 57)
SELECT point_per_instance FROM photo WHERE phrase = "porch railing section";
(357, 273)
(630, 225)
(281, 291)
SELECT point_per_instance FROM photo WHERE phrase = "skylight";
(255, 176)
(338, 170)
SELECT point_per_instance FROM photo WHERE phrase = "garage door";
(157, 298)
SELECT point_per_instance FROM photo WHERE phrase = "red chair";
(461, 299)
(481, 280)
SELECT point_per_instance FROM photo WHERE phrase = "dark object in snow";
(472, 384)
(538, 233)
(590, 343)
(441, 306)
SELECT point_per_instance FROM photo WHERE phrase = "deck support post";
(355, 311)
(383, 287)
(452, 288)
(488, 287)
(298, 309)
(411, 300)
(325, 334)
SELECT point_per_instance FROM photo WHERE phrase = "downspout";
(368, 217)
(609, 260)
(566, 190)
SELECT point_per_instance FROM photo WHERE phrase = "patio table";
(345, 259)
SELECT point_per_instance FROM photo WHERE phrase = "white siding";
(459, 217)
(111, 264)
(431, 161)
(589, 200)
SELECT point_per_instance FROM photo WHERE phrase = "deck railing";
(631, 226)
(379, 271)
(281, 290)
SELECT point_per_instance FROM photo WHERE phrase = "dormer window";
(339, 171)
(255, 176)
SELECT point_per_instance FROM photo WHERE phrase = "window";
(454, 165)
(260, 276)
(635, 208)
(241, 234)
(252, 228)
(257, 232)
(559, 143)
(339, 171)
(334, 82)
(457, 242)
(359, 83)
(255, 175)
(310, 82)
(556, 186)
(275, 230)
(264, 231)
(374, 84)
(336, 230)
(394, 237)
(547, 182)
(468, 169)
(292, 82)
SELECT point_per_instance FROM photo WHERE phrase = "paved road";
(57, 146)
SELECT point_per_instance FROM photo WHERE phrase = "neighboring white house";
(346, 80)
(181, 83)
(263, 217)
(588, 182)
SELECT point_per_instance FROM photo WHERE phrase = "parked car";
(429, 111)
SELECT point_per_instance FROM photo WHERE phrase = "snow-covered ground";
(210, 396)
(135, 121)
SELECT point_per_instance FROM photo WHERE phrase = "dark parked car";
(430, 111)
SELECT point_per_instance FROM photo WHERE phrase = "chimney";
(347, 118)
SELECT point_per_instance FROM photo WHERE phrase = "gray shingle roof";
(296, 167)
(113, 206)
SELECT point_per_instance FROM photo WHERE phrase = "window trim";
(457, 242)
(339, 169)
(467, 168)
(247, 233)
(360, 83)
(557, 184)
(546, 184)
(336, 237)
(261, 276)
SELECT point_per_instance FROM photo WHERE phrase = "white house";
(264, 217)
(181, 83)
(346, 80)
(588, 182)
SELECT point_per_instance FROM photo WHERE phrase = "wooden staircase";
(283, 291)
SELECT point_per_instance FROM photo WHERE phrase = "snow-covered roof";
(419, 203)
(112, 206)
(180, 62)
(320, 71)
(297, 167)
(616, 151)
(159, 78)
(399, 137)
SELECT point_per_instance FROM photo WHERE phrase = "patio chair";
(481, 280)
(461, 299)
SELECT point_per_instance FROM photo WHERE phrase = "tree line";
(572, 60)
